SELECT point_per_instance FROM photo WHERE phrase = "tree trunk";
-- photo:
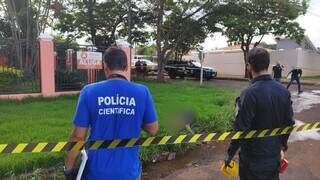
(161, 64)
(91, 17)
(12, 14)
(176, 56)
(160, 49)
(245, 57)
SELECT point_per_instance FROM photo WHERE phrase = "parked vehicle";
(151, 66)
(188, 69)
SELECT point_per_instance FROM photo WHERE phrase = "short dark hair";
(115, 58)
(259, 59)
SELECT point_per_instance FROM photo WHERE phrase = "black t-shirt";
(295, 73)
(277, 71)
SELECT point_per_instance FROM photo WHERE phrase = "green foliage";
(49, 120)
(61, 42)
(8, 77)
(270, 46)
(102, 21)
(147, 50)
(5, 30)
(251, 18)
(248, 19)
(11, 70)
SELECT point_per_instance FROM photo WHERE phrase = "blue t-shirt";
(114, 109)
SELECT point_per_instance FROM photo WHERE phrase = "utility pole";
(201, 58)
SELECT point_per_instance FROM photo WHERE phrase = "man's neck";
(262, 73)
(117, 72)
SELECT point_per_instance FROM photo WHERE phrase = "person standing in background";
(296, 74)
(277, 72)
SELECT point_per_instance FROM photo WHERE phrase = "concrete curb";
(20, 97)
(285, 82)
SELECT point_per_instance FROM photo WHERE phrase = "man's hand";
(71, 174)
(227, 161)
(151, 128)
(78, 134)
(282, 154)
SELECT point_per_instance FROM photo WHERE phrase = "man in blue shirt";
(112, 109)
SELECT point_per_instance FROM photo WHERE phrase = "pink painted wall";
(47, 65)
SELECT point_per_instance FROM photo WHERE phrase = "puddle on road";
(301, 136)
(305, 100)
(302, 102)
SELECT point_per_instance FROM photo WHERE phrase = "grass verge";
(312, 78)
(49, 120)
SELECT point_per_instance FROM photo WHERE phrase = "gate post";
(47, 65)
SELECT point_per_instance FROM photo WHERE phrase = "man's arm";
(288, 122)
(78, 134)
(244, 117)
(151, 128)
(149, 122)
(300, 73)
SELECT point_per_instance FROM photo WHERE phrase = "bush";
(9, 76)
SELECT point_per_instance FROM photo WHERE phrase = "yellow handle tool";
(232, 171)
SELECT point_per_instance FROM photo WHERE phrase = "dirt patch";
(309, 115)
(196, 164)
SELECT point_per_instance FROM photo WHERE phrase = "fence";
(47, 69)
(19, 67)
(67, 75)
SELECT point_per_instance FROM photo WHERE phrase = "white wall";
(231, 62)
(287, 58)
(310, 63)
(226, 63)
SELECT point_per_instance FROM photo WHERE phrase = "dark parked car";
(188, 69)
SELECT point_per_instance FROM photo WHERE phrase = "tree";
(248, 19)
(147, 50)
(26, 20)
(180, 26)
(5, 31)
(103, 21)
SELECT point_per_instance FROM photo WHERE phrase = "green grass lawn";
(50, 119)
(312, 78)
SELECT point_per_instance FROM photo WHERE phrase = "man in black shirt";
(265, 104)
(277, 72)
(138, 66)
(296, 73)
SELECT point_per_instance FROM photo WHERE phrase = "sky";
(310, 22)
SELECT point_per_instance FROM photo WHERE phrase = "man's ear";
(104, 66)
(127, 68)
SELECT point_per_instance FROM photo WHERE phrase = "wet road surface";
(204, 162)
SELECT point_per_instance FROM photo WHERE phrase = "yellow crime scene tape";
(151, 141)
